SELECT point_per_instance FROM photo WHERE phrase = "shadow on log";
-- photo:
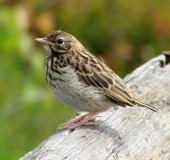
(131, 133)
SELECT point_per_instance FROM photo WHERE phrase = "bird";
(83, 81)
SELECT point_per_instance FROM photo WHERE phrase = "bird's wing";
(96, 73)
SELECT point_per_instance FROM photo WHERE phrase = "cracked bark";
(131, 133)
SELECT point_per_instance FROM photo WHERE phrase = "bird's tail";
(148, 106)
(152, 108)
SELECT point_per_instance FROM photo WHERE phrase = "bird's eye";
(60, 41)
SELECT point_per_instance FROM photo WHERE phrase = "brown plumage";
(91, 84)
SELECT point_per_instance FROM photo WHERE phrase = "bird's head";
(59, 42)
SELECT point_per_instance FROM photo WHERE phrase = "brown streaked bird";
(83, 81)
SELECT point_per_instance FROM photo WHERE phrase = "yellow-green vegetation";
(124, 33)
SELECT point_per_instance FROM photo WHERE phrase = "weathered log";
(131, 133)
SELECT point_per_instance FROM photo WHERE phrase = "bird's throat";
(48, 50)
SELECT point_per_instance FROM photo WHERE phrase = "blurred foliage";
(124, 33)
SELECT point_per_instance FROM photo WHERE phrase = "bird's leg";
(75, 120)
(86, 119)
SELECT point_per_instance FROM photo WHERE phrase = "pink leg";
(73, 121)
(87, 119)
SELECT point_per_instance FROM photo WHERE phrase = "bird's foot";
(87, 119)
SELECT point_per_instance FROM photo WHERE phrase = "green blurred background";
(125, 34)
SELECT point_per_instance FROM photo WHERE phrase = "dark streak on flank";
(50, 83)
(50, 76)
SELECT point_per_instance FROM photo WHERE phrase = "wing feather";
(95, 73)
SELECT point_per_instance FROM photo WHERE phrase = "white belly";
(69, 89)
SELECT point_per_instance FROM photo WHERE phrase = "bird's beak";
(43, 41)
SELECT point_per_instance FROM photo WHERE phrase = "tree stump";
(131, 133)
